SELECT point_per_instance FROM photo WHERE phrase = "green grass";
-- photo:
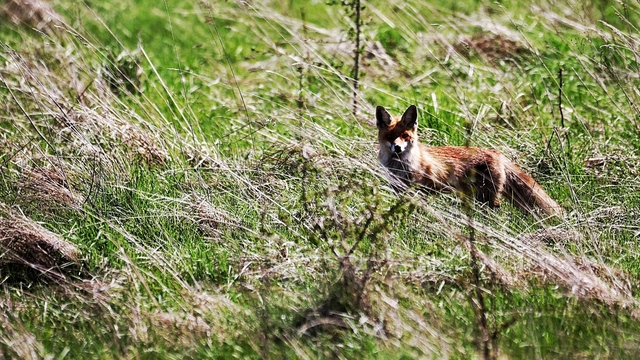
(227, 202)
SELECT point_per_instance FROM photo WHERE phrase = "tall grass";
(205, 166)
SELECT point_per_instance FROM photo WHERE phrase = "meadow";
(199, 179)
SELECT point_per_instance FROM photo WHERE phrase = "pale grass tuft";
(201, 155)
(577, 274)
(101, 292)
(411, 323)
(184, 329)
(183, 323)
(583, 282)
(551, 235)
(519, 259)
(50, 185)
(567, 19)
(26, 242)
(205, 317)
(22, 344)
(211, 219)
(94, 126)
(492, 47)
(36, 13)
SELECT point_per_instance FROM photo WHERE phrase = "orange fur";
(486, 173)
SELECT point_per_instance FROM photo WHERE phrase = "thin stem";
(356, 60)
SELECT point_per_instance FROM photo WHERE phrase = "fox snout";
(398, 148)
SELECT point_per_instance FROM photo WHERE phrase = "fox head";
(397, 134)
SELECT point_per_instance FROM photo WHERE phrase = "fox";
(484, 172)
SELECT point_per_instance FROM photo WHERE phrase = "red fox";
(487, 173)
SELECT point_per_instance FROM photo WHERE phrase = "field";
(199, 179)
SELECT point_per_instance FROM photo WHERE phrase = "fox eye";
(405, 136)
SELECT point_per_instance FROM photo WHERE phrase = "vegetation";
(185, 179)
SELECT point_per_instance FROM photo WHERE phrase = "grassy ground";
(209, 191)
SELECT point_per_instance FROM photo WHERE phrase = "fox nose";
(397, 149)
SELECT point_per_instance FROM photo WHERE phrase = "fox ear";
(383, 118)
(410, 117)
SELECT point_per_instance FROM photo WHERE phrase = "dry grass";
(28, 243)
(34, 13)
(286, 223)
(23, 344)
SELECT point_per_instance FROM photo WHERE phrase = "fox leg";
(489, 183)
(497, 196)
(499, 181)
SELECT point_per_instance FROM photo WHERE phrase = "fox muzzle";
(398, 147)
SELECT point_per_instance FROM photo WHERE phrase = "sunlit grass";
(205, 161)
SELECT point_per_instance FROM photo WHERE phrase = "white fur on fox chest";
(402, 165)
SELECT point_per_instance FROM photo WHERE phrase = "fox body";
(486, 173)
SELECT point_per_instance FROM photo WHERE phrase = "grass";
(205, 162)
